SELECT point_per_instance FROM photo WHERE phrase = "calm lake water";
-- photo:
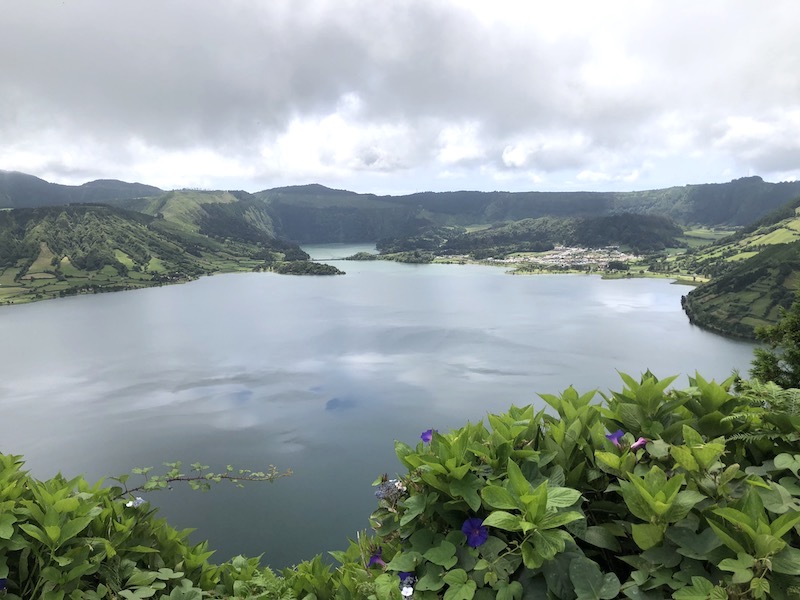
(317, 374)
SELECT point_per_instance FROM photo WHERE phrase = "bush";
(650, 493)
(655, 494)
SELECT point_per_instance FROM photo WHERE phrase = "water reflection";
(319, 375)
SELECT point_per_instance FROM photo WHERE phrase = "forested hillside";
(754, 274)
(639, 233)
(315, 213)
(56, 251)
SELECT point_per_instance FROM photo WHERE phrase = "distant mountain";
(318, 214)
(315, 213)
(18, 190)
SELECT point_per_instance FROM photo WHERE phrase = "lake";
(317, 374)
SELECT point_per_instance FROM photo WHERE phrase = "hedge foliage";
(647, 493)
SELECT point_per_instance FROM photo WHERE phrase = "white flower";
(407, 591)
(138, 501)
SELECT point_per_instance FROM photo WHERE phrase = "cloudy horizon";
(401, 96)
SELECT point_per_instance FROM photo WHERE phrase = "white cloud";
(405, 95)
(459, 143)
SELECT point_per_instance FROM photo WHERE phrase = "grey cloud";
(232, 76)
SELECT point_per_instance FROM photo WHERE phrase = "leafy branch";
(199, 477)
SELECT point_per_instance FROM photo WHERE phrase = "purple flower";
(2, 584)
(427, 436)
(407, 579)
(640, 443)
(376, 559)
(476, 533)
(615, 437)
(137, 502)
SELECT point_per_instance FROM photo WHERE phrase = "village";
(563, 257)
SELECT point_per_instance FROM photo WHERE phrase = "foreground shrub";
(654, 494)
(647, 493)
(65, 538)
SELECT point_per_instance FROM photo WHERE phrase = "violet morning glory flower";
(615, 437)
(475, 531)
(2, 584)
(407, 581)
(427, 436)
(640, 443)
(376, 559)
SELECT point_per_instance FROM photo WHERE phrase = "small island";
(305, 267)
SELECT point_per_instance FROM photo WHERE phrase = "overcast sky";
(397, 96)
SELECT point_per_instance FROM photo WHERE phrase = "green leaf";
(590, 583)
(788, 461)
(141, 578)
(647, 535)
(404, 561)
(499, 497)
(501, 519)
(608, 461)
(414, 507)
(461, 591)
(73, 527)
(787, 561)
(431, 578)
(561, 497)
(64, 505)
(700, 589)
(782, 524)
(599, 536)
(683, 456)
(35, 533)
(548, 543)
(7, 521)
(444, 554)
(519, 483)
(510, 591)
(552, 520)
(692, 545)
(741, 567)
(683, 503)
(726, 537)
(467, 488)
(455, 576)
(759, 587)
(530, 557)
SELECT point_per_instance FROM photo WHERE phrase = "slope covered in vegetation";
(58, 251)
(640, 233)
(755, 274)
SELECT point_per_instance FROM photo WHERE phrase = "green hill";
(640, 233)
(754, 274)
(315, 213)
(57, 251)
(218, 214)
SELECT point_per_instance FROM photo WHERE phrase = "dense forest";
(640, 233)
